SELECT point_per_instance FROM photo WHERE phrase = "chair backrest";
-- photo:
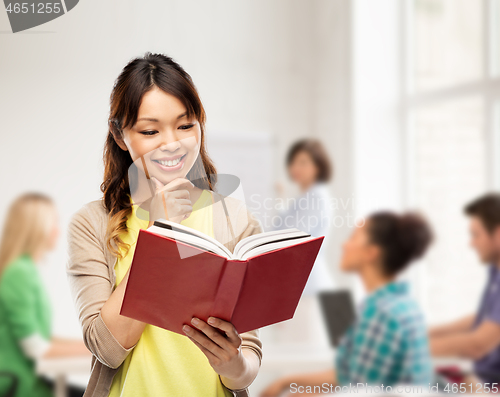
(11, 392)
(491, 376)
(339, 312)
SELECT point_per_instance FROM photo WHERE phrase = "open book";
(178, 272)
(250, 246)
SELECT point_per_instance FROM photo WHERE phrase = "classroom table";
(76, 369)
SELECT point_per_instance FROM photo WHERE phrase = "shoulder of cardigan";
(98, 214)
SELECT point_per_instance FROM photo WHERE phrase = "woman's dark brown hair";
(318, 154)
(402, 238)
(138, 77)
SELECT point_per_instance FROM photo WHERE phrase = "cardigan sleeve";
(90, 285)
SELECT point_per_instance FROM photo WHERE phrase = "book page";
(271, 246)
(255, 240)
(191, 239)
(194, 232)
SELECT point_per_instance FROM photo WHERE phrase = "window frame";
(487, 87)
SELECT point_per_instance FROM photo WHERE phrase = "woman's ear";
(373, 253)
(117, 136)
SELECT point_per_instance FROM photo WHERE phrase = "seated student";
(388, 342)
(478, 336)
(30, 231)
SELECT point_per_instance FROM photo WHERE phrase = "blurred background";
(403, 94)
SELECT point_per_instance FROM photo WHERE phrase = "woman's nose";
(169, 142)
(170, 147)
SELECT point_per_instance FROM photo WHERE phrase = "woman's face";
(358, 251)
(302, 169)
(163, 136)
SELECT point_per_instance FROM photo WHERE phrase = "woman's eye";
(186, 127)
(148, 132)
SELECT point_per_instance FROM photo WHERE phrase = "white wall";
(274, 67)
(376, 95)
(379, 165)
(276, 70)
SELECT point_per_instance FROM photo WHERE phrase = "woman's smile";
(170, 163)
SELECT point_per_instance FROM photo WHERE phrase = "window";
(447, 43)
(451, 121)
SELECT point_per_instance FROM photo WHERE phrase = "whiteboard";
(249, 156)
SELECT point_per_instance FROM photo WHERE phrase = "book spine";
(229, 289)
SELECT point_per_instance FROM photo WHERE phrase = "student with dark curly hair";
(388, 342)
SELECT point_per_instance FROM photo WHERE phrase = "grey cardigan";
(91, 276)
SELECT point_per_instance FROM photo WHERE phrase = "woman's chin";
(166, 177)
(165, 180)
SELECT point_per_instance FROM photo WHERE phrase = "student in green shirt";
(30, 231)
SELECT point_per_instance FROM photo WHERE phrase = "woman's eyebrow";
(156, 120)
(148, 119)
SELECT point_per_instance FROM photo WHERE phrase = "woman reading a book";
(387, 344)
(156, 129)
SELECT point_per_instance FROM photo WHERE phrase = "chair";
(11, 392)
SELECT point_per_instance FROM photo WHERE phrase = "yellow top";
(164, 363)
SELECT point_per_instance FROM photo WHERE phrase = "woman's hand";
(223, 351)
(171, 201)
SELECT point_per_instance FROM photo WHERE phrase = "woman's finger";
(182, 201)
(179, 184)
(228, 328)
(181, 212)
(205, 351)
(212, 333)
(176, 184)
(204, 340)
(179, 194)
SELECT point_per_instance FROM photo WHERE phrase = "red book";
(178, 273)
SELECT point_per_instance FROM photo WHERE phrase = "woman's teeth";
(170, 163)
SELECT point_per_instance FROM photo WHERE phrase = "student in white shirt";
(310, 167)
